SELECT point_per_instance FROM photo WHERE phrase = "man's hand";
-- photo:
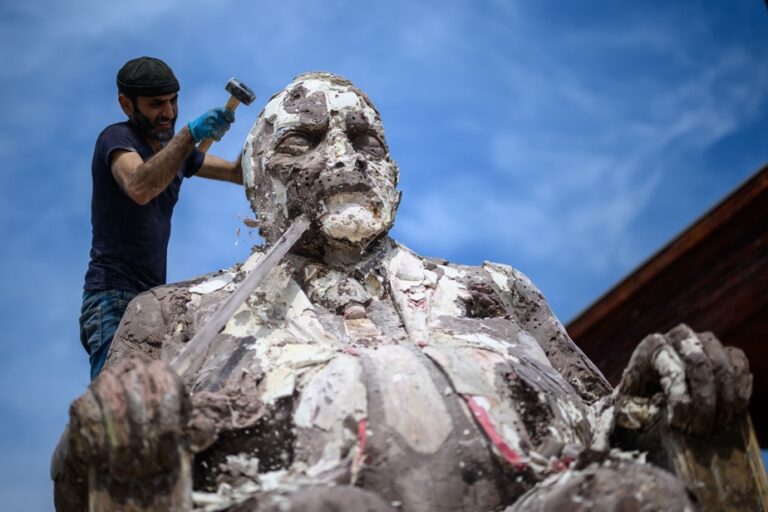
(702, 384)
(211, 125)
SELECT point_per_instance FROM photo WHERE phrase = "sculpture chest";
(389, 382)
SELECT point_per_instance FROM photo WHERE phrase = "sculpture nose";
(340, 151)
(342, 157)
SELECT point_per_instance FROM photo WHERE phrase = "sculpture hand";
(130, 420)
(212, 124)
(702, 383)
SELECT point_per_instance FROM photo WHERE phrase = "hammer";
(240, 93)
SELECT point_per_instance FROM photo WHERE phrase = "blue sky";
(570, 140)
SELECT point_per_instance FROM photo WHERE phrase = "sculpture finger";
(639, 377)
(699, 377)
(110, 394)
(742, 378)
(87, 436)
(142, 406)
(671, 370)
(172, 413)
(723, 375)
(121, 420)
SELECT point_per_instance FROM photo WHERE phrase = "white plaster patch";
(301, 355)
(691, 345)
(349, 216)
(331, 458)
(280, 195)
(672, 372)
(511, 436)
(499, 274)
(246, 162)
(572, 415)
(213, 284)
(532, 348)
(276, 114)
(480, 340)
(346, 99)
(503, 419)
(483, 402)
(452, 272)
(268, 343)
(333, 395)
(465, 369)
(252, 261)
(407, 267)
(278, 383)
(413, 406)
(409, 281)
(601, 418)
(446, 299)
(273, 480)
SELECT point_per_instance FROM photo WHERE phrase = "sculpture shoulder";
(520, 296)
(525, 299)
(495, 290)
(528, 305)
(158, 317)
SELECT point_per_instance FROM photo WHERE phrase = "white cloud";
(579, 168)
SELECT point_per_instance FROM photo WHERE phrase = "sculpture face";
(319, 148)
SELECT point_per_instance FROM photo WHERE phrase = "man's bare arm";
(143, 181)
(216, 168)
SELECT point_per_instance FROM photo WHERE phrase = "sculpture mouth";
(354, 217)
(360, 189)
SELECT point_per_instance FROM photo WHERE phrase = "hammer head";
(240, 91)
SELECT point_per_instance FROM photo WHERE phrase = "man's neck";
(153, 143)
(156, 145)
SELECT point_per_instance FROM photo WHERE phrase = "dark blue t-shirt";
(130, 241)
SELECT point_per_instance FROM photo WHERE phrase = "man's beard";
(148, 129)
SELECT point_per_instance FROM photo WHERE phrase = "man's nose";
(167, 110)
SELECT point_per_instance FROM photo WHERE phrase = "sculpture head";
(318, 147)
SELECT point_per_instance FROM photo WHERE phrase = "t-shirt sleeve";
(193, 163)
(113, 138)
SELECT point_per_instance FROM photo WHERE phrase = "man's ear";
(126, 104)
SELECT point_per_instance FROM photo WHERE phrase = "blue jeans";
(99, 317)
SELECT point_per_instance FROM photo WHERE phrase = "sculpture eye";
(296, 144)
(370, 144)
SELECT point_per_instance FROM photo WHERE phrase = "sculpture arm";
(141, 330)
(529, 307)
(156, 323)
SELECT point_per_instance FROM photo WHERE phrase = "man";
(138, 166)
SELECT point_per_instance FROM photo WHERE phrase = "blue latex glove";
(211, 125)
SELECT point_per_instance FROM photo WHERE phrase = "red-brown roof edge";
(748, 191)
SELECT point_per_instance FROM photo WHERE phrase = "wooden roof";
(713, 277)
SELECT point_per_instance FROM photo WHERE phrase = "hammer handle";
(205, 144)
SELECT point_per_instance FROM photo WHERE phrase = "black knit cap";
(146, 76)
